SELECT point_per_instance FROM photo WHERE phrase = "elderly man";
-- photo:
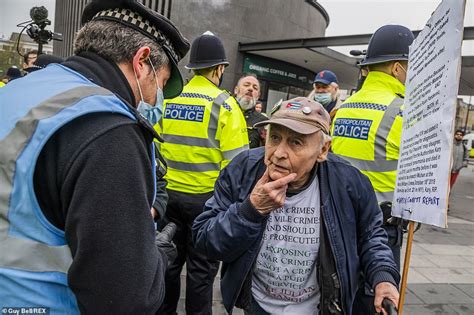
(247, 92)
(78, 169)
(294, 225)
(326, 91)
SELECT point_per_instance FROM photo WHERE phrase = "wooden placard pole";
(406, 266)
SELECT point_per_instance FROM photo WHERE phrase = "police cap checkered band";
(136, 21)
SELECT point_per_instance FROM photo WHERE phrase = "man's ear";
(324, 151)
(236, 90)
(395, 69)
(140, 60)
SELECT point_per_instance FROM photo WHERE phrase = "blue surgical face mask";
(151, 113)
(323, 98)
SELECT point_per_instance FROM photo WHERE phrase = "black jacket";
(255, 134)
(230, 229)
(93, 179)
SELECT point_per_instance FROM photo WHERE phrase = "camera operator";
(29, 58)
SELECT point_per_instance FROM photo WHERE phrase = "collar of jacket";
(377, 80)
(107, 74)
(199, 80)
(102, 72)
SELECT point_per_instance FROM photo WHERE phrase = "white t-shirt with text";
(285, 277)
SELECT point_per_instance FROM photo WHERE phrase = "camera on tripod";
(37, 28)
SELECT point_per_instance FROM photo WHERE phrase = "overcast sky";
(347, 16)
(13, 12)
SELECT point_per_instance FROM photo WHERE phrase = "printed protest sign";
(422, 188)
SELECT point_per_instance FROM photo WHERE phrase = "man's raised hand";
(268, 195)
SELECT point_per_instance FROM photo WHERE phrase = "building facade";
(13, 49)
(233, 21)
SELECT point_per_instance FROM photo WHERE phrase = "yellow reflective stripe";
(386, 124)
(191, 141)
(373, 166)
(194, 167)
(384, 196)
(230, 154)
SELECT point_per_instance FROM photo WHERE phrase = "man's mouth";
(280, 168)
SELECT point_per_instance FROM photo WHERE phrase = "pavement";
(441, 274)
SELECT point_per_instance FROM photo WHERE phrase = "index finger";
(265, 177)
(282, 181)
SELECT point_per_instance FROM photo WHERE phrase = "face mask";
(151, 113)
(323, 98)
(221, 79)
(246, 103)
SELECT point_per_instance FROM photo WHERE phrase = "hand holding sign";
(268, 195)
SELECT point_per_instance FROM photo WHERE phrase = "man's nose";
(281, 151)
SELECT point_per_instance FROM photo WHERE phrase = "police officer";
(247, 92)
(203, 129)
(367, 128)
(77, 169)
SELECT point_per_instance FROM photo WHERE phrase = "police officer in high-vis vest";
(366, 130)
(203, 129)
(77, 169)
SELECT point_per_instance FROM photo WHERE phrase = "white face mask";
(151, 113)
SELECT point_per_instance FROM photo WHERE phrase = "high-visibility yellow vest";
(367, 129)
(203, 129)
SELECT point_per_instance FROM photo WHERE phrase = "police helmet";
(207, 51)
(388, 43)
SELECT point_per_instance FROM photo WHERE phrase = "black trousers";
(182, 209)
(364, 299)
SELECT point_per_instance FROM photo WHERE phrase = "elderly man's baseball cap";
(301, 114)
(133, 14)
(325, 77)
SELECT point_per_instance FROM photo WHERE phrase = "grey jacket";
(460, 156)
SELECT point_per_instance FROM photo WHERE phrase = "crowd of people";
(115, 175)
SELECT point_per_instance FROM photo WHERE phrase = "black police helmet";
(388, 43)
(207, 51)
(133, 14)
